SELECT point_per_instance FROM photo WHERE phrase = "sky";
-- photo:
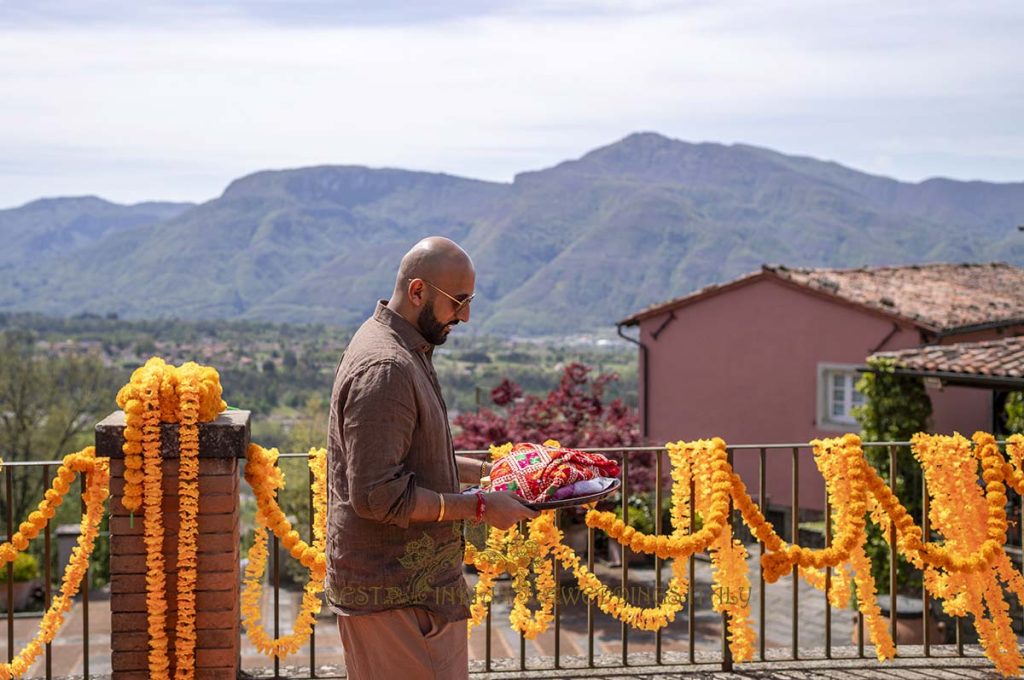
(135, 101)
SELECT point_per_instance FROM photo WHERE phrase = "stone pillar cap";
(227, 436)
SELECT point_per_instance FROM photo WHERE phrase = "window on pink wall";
(837, 396)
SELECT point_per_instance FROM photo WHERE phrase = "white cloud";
(489, 96)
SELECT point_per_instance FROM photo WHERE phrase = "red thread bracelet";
(481, 506)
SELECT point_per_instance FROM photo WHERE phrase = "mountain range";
(570, 248)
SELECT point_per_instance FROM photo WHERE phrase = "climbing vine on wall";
(1015, 412)
(895, 407)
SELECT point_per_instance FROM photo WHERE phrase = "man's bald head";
(431, 259)
(434, 277)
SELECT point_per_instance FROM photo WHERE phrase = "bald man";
(395, 514)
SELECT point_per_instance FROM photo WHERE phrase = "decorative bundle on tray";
(544, 473)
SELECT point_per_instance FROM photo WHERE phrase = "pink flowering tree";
(576, 413)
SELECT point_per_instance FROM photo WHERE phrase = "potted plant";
(26, 571)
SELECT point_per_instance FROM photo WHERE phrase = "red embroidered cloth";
(535, 471)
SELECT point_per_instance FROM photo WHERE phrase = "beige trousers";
(404, 643)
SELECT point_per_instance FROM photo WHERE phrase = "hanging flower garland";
(153, 526)
(134, 420)
(187, 395)
(536, 559)
(1015, 452)
(968, 570)
(960, 511)
(490, 563)
(731, 582)
(507, 552)
(680, 545)
(53, 498)
(168, 405)
(705, 464)
(188, 529)
(97, 487)
(265, 477)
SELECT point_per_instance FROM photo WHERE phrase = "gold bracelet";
(483, 464)
(440, 513)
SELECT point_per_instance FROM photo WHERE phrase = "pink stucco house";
(773, 357)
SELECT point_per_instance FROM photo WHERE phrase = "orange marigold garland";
(968, 570)
(489, 564)
(153, 526)
(265, 477)
(131, 498)
(967, 518)
(681, 544)
(52, 499)
(161, 393)
(97, 487)
(188, 530)
(508, 551)
(731, 584)
(1014, 469)
(539, 544)
(644, 618)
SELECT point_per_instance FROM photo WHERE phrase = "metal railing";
(689, 649)
(764, 453)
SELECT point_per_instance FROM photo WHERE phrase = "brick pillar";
(221, 444)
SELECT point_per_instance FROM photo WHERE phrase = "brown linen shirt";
(388, 435)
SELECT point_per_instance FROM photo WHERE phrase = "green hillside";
(573, 247)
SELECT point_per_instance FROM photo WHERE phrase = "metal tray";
(613, 485)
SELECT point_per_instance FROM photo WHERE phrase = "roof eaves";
(690, 298)
(988, 325)
(962, 378)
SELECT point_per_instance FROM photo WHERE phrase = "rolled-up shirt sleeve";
(379, 416)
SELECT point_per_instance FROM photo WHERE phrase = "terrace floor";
(966, 668)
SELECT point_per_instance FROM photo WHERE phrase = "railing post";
(795, 529)
(83, 479)
(9, 499)
(626, 552)
(893, 557)
(222, 443)
(726, 649)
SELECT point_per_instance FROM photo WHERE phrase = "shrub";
(26, 568)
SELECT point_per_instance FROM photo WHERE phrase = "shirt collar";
(409, 334)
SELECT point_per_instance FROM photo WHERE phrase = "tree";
(574, 413)
(48, 408)
(290, 361)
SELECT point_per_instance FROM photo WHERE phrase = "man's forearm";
(501, 509)
(427, 506)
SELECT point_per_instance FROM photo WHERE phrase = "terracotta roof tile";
(1002, 358)
(941, 296)
(937, 297)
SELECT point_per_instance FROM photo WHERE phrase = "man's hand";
(503, 509)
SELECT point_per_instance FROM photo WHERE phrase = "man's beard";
(433, 330)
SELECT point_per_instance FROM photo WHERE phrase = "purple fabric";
(581, 488)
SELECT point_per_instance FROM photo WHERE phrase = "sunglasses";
(459, 304)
